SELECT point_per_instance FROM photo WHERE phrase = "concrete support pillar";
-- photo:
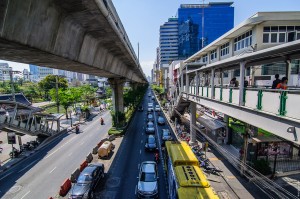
(212, 83)
(241, 89)
(186, 81)
(193, 109)
(181, 81)
(288, 71)
(197, 83)
(221, 77)
(117, 86)
(226, 120)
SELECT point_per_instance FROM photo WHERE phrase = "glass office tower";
(218, 18)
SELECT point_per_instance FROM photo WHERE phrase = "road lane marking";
(70, 154)
(52, 169)
(81, 143)
(25, 195)
(140, 151)
(141, 141)
(138, 165)
(59, 148)
(27, 166)
(6, 175)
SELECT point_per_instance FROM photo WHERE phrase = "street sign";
(11, 138)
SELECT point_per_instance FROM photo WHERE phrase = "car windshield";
(82, 179)
(150, 116)
(151, 140)
(150, 125)
(157, 106)
(160, 118)
(148, 177)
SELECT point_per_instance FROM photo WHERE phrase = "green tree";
(108, 92)
(65, 97)
(88, 93)
(49, 82)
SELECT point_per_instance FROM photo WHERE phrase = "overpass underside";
(74, 35)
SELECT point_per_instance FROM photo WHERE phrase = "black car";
(150, 144)
(87, 182)
(140, 108)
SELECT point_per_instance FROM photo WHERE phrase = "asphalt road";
(122, 177)
(40, 175)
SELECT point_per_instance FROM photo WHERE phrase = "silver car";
(161, 120)
(166, 135)
(150, 128)
(148, 185)
(150, 117)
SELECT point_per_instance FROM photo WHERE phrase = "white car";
(157, 108)
(150, 107)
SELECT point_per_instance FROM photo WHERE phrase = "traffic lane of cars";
(162, 183)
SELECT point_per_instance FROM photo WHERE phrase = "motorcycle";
(15, 153)
(102, 121)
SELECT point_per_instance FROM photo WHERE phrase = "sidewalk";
(7, 162)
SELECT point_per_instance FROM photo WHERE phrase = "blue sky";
(142, 18)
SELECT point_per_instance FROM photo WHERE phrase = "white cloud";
(147, 66)
(15, 65)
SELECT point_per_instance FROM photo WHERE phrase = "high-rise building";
(38, 73)
(200, 24)
(168, 42)
(4, 75)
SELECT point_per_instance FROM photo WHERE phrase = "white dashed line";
(52, 169)
(6, 175)
(81, 143)
(25, 194)
(140, 151)
(70, 154)
(141, 141)
(27, 166)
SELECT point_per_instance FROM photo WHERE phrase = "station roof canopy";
(245, 26)
(210, 123)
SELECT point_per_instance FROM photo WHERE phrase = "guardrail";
(283, 103)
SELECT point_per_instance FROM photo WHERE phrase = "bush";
(118, 119)
(115, 131)
(262, 166)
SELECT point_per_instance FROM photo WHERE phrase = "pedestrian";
(245, 82)
(234, 82)
(282, 84)
(276, 81)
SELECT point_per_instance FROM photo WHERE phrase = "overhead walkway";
(24, 119)
(275, 111)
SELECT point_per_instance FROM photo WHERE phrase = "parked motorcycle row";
(204, 162)
(29, 146)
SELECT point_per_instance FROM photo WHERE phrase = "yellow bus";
(185, 178)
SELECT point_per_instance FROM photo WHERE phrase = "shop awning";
(266, 139)
(210, 123)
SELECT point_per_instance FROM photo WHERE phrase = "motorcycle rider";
(77, 128)
(156, 157)
(101, 121)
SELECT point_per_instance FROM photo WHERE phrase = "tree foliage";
(49, 82)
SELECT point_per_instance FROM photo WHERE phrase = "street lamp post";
(56, 87)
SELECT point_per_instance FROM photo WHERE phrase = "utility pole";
(12, 86)
(56, 87)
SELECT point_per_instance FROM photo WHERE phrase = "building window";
(243, 41)
(204, 58)
(224, 49)
(281, 34)
(213, 54)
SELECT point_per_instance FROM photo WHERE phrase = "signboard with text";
(11, 138)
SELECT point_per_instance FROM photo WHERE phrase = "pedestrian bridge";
(74, 35)
(276, 111)
(24, 119)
